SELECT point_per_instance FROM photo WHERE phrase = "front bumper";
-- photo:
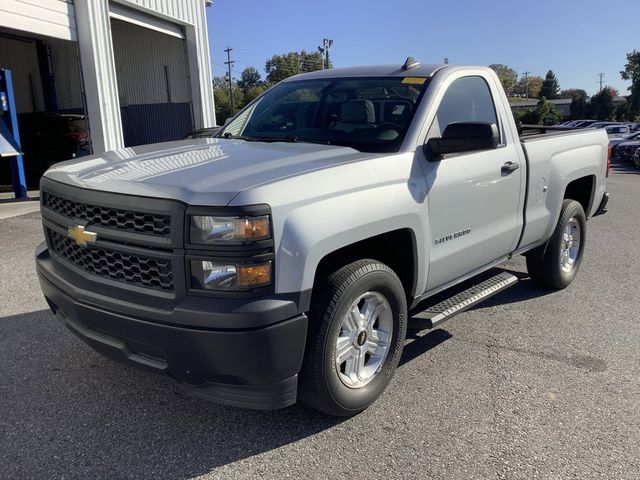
(252, 367)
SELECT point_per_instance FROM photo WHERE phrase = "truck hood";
(199, 172)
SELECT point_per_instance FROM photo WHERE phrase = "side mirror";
(465, 137)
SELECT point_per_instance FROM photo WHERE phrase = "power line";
(229, 63)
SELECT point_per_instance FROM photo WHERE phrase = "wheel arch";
(397, 249)
(582, 190)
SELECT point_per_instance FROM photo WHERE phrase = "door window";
(467, 99)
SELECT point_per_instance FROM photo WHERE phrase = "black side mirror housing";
(464, 137)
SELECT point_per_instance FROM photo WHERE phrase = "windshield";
(370, 114)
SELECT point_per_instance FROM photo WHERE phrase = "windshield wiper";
(286, 138)
(292, 139)
(231, 136)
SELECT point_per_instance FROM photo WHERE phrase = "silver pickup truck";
(283, 258)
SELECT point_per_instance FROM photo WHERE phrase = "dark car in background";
(625, 150)
(48, 138)
(208, 132)
(614, 142)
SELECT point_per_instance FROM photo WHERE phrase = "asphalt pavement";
(532, 384)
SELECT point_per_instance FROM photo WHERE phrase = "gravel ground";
(532, 384)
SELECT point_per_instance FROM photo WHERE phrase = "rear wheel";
(356, 336)
(560, 262)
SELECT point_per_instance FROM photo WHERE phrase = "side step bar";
(450, 307)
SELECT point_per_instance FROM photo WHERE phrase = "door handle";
(509, 167)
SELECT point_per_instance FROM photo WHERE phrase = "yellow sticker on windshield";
(414, 80)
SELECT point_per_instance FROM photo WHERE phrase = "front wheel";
(560, 262)
(356, 336)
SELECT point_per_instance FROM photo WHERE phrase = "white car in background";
(618, 131)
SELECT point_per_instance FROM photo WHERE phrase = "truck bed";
(535, 132)
(555, 158)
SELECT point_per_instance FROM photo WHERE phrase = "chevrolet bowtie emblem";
(81, 236)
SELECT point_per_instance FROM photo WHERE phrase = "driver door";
(474, 203)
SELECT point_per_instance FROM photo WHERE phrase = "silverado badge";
(81, 236)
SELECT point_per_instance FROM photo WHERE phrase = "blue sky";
(577, 39)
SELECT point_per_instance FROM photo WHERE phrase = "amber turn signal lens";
(220, 230)
(256, 275)
(208, 275)
(253, 228)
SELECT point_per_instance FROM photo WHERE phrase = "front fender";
(315, 230)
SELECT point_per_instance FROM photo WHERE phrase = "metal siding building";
(139, 69)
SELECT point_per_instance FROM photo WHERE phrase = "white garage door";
(153, 84)
(54, 18)
(135, 17)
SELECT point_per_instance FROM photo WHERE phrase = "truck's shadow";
(68, 411)
(524, 290)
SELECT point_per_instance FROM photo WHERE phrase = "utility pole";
(326, 43)
(229, 63)
(526, 84)
(601, 81)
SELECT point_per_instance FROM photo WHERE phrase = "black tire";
(544, 263)
(320, 386)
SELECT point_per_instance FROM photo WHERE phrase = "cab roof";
(371, 71)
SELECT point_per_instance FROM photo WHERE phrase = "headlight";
(211, 230)
(210, 275)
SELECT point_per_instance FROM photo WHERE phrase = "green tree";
(249, 78)
(573, 93)
(253, 92)
(547, 113)
(632, 72)
(534, 83)
(279, 67)
(550, 86)
(622, 112)
(529, 117)
(578, 108)
(601, 105)
(222, 100)
(525, 117)
(578, 102)
(508, 77)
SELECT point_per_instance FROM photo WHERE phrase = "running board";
(441, 312)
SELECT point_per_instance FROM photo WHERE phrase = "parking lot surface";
(532, 384)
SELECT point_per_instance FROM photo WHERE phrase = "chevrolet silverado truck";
(283, 259)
